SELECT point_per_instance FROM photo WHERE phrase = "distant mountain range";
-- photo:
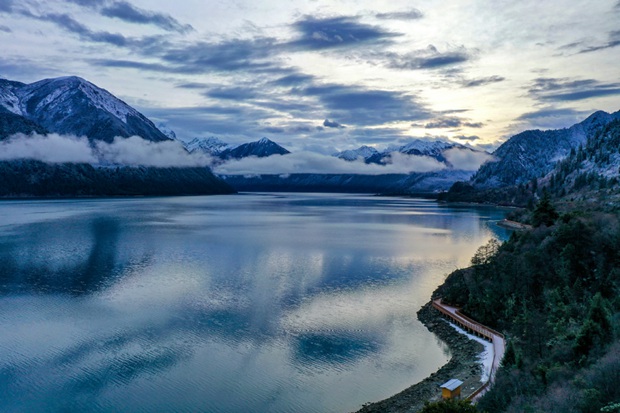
(74, 106)
(329, 182)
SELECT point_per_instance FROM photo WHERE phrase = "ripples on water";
(253, 303)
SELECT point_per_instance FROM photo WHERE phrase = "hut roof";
(452, 384)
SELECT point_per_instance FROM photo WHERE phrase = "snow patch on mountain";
(363, 152)
(62, 91)
(211, 146)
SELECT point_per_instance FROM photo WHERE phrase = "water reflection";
(255, 302)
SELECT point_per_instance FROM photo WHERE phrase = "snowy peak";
(427, 147)
(72, 105)
(210, 146)
(167, 131)
(261, 148)
(42, 95)
(363, 152)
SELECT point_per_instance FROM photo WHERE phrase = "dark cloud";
(293, 80)
(125, 11)
(614, 41)
(231, 93)
(580, 95)
(429, 58)
(88, 3)
(332, 124)
(361, 106)
(274, 129)
(129, 13)
(130, 64)
(452, 122)
(412, 14)
(193, 85)
(5, 29)
(549, 113)
(444, 123)
(248, 55)
(326, 33)
(472, 138)
(6, 6)
(228, 55)
(564, 89)
(306, 129)
(570, 46)
(545, 84)
(483, 81)
(68, 23)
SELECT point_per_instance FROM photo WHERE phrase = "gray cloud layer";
(125, 11)
(412, 14)
(135, 151)
(566, 90)
(336, 32)
(132, 151)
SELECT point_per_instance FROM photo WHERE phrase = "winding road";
(498, 340)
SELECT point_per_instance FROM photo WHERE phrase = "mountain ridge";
(72, 105)
(533, 153)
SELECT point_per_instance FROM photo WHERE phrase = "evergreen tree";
(544, 213)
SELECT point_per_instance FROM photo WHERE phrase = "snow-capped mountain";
(594, 166)
(260, 149)
(211, 146)
(72, 105)
(433, 148)
(363, 152)
(167, 131)
(417, 147)
(533, 153)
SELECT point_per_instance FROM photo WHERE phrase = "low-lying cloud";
(315, 163)
(51, 148)
(465, 159)
(135, 151)
(132, 151)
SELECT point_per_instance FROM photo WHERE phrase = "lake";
(238, 303)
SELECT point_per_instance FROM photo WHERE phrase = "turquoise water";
(240, 303)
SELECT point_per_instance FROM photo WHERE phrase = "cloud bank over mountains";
(135, 151)
(132, 151)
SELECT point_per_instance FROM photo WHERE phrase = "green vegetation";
(553, 291)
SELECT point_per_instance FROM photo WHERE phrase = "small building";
(451, 389)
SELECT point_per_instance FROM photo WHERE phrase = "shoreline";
(464, 364)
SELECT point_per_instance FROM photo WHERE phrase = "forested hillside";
(34, 178)
(553, 291)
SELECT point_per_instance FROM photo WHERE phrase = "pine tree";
(544, 213)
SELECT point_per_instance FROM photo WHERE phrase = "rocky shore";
(463, 365)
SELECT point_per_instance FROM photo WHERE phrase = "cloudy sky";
(321, 75)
